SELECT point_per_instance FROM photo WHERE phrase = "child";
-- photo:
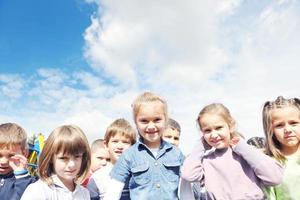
(65, 159)
(99, 158)
(172, 132)
(281, 120)
(230, 168)
(151, 165)
(119, 136)
(14, 177)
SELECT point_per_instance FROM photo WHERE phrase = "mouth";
(118, 152)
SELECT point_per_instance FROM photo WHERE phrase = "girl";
(281, 120)
(151, 165)
(64, 161)
(231, 168)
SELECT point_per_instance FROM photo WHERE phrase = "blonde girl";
(281, 121)
(64, 161)
(151, 165)
(230, 168)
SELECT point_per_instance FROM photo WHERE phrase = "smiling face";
(67, 167)
(99, 158)
(216, 130)
(151, 122)
(286, 127)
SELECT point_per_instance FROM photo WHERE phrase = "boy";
(119, 136)
(14, 177)
(172, 132)
(99, 158)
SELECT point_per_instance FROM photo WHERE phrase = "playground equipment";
(35, 149)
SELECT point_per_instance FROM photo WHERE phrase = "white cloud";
(11, 85)
(191, 52)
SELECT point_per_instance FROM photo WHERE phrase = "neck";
(289, 151)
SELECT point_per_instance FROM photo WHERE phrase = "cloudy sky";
(84, 62)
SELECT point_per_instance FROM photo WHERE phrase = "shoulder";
(83, 192)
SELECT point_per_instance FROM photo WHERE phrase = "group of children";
(123, 166)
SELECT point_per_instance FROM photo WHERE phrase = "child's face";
(216, 130)
(99, 158)
(6, 158)
(66, 167)
(286, 126)
(116, 145)
(151, 122)
(171, 135)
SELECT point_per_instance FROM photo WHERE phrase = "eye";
(143, 121)
(205, 131)
(219, 127)
(157, 119)
(78, 156)
(294, 123)
(168, 136)
(280, 125)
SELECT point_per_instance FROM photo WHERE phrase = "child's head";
(258, 142)
(13, 140)
(172, 132)
(281, 122)
(66, 153)
(119, 136)
(99, 155)
(150, 115)
(217, 125)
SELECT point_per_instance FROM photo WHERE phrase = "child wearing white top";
(64, 161)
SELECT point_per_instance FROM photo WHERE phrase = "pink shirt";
(237, 174)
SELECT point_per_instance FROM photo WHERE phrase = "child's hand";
(18, 162)
(234, 141)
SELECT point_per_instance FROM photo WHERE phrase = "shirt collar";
(58, 183)
(163, 144)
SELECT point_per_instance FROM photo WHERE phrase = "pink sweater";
(237, 174)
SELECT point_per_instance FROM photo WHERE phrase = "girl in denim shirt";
(151, 165)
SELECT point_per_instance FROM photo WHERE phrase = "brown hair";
(147, 97)
(70, 140)
(122, 127)
(273, 146)
(12, 134)
(221, 110)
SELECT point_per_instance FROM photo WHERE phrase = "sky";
(83, 62)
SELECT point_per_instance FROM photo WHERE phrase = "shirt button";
(157, 185)
(155, 163)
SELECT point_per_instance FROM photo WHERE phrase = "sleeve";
(21, 183)
(31, 190)
(121, 170)
(192, 169)
(114, 192)
(267, 169)
(185, 190)
(93, 189)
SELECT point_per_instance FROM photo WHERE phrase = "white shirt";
(41, 191)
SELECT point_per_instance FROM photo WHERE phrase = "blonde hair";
(70, 140)
(122, 127)
(147, 97)
(97, 144)
(273, 146)
(12, 134)
(221, 110)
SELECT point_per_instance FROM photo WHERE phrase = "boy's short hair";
(120, 126)
(174, 124)
(12, 134)
(98, 143)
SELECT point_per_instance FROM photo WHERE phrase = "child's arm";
(19, 165)
(114, 192)
(192, 169)
(267, 169)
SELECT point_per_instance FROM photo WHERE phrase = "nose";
(71, 162)
(151, 126)
(214, 134)
(4, 160)
(287, 129)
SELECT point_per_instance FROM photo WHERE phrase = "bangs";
(69, 143)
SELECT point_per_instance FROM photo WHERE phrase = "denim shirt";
(150, 177)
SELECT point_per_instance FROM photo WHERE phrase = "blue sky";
(84, 62)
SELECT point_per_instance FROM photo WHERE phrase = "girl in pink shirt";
(230, 168)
